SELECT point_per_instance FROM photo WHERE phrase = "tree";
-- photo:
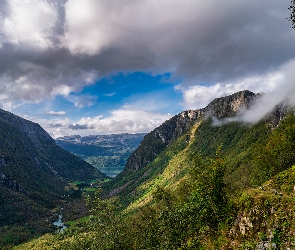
(292, 13)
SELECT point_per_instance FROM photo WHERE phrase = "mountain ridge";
(141, 164)
(161, 137)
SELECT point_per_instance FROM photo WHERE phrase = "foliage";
(278, 153)
(292, 13)
(170, 223)
(33, 174)
(195, 194)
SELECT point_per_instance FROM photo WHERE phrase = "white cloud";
(120, 121)
(88, 26)
(285, 91)
(31, 22)
(56, 113)
(81, 101)
(196, 96)
(124, 120)
(110, 94)
(282, 91)
(156, 101)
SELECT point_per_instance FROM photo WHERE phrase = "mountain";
(33, 174)
(194, 183)
(175, 135)
(108, 153)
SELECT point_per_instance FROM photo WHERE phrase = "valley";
(147, 125)
(194, 185)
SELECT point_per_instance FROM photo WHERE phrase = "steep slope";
(161, 137)
(174, 135)
(108, 153)
(168, 148)
(33, 175)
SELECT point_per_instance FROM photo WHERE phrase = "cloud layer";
(119, 121)
(212, 48)
(52, 47)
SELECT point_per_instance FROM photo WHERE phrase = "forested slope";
(33, 174)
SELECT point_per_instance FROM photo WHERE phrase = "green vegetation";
(189, 185)
(34, 173)
(228, 187)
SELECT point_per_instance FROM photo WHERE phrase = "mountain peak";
(229, 105)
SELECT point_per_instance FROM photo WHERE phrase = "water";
(60, 225)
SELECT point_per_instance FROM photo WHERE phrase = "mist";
(264, 104)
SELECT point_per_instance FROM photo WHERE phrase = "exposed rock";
(229, 105)
(245, 224)
(266, 245)
(52, 169)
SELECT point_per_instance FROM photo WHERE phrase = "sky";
(100, 67)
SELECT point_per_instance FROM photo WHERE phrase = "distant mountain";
(108, 153)
(33, 174)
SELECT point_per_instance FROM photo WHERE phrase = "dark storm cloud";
(78, 41)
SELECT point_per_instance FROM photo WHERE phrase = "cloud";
(153, 101)
(78, 127)
(198, 96)
(82, 100)
(119, 121)
(283, 93)
(30, 23)
(53, 47)
(124, 120)
(56, 113)
(110, 94)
